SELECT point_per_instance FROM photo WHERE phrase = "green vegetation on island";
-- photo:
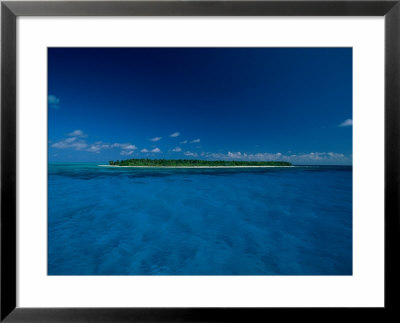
(193, 162)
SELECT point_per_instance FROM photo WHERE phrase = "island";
(194, 163)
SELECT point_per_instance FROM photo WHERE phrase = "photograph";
(206, 161)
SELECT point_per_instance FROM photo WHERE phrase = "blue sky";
(292, 104)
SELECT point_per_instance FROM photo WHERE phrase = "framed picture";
(198, 160)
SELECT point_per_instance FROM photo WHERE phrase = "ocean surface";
(149, 221)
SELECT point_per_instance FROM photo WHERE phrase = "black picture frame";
(10, 10)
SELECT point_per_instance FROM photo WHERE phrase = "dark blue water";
(269, 221)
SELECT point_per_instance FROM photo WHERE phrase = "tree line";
(194, 162)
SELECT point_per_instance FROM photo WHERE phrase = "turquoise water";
(264, 221)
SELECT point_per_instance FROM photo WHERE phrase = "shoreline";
(260, 166)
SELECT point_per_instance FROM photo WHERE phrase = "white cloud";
(175, 134)
(184, 142)
(53, 101)
(194, 141)
(94, 149)
(97, 148)
(127, 146)
(177, 149)
(346, 123)
(72, 142)
(144, 150)
(126, 153)
(317, 156)
(236, 155)
(69, 140)
(156, 150)
(75, 141)
(77, 133)
(303, 158)
(191, 154)
(155, 139)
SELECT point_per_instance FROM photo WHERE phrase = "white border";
(364, 288)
